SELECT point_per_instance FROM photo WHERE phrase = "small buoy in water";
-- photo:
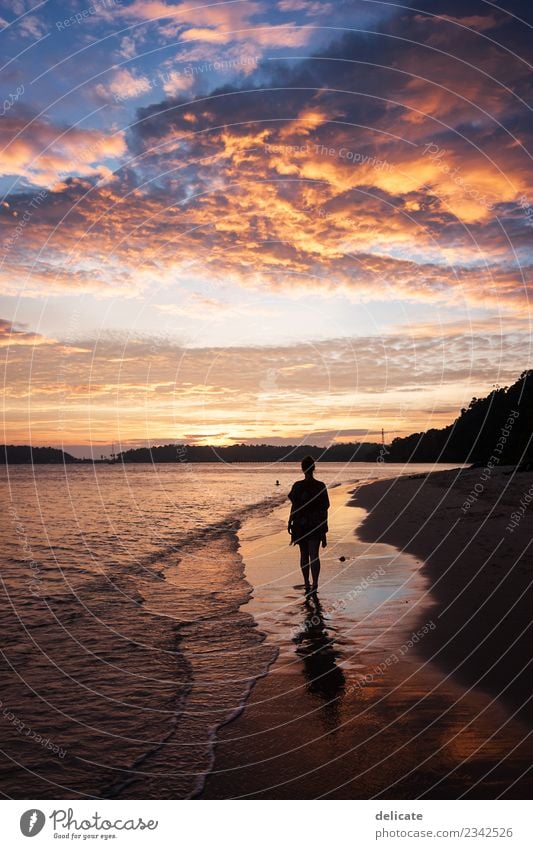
(342, 558)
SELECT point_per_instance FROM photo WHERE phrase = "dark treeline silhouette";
(488, 427)
(242, 453)
(29, 455)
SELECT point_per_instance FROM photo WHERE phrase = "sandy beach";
(368, 697)
(474, 534)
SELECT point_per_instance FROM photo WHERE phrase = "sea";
(126, 641)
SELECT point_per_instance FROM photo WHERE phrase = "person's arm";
(325, 506)
(291, 499)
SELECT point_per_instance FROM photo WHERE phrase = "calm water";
(126, 640)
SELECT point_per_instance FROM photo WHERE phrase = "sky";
(260, 221)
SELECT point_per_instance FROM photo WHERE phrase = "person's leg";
(304, 562)
(314, 547)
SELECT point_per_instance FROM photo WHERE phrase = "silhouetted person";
(308, 522)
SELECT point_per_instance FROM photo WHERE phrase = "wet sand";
(353, 707)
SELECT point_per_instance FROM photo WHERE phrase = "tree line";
(242, 453)
(500, 425)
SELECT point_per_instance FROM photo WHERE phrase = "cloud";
(123, 85)
(43, 152)
(309, 8)
(377, 180)
(32, 27)
(14, 334)
(387, 165)
(150, 386)
(219, 23)
(213, 309)
(479, 23)
(212, 36)
(128, 47)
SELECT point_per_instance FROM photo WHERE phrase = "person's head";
(308, 465)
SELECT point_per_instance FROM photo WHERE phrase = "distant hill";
(498, 426)
(26, 454)
(241, 453)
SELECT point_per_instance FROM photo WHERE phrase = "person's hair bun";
(308, 464)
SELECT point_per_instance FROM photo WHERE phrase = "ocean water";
(126, 642)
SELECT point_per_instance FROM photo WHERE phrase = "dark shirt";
(309, 513)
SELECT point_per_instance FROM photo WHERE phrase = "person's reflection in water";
(317, 650)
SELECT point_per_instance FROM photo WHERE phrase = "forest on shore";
(499, 425)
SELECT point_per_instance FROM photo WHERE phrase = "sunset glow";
(252, 221)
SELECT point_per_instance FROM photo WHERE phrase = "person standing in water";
(308, 521)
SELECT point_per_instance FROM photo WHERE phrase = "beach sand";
(479, 568)
(355, 706)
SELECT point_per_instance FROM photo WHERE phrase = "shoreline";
(344, 711)
(479, 573)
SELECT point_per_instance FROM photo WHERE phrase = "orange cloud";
(212, 36)
(312, 189)
(144, 388)
(44, 153)
(14, 334)
(218, 23)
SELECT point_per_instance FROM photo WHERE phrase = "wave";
(230, 524)
(205, 589)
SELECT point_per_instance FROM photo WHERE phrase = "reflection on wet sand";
(317, 648)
